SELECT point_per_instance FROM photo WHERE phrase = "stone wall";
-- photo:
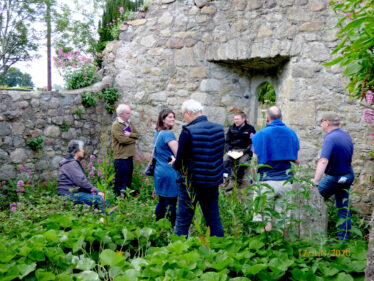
(49, 114)
(219, 53)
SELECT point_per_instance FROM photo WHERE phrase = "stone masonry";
(219, 52)
(49, 114)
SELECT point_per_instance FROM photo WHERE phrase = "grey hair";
(192, 106)
(121, 108)
(74, 146)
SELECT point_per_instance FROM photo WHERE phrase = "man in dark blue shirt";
(334, 174)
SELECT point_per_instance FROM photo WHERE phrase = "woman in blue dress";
(166, 147)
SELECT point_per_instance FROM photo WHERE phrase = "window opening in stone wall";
(266, 97)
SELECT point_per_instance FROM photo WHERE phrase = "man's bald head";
(274, 113)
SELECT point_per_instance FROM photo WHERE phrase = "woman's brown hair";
(160, 121)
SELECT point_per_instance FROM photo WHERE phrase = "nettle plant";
(36, 141)
(78, 70)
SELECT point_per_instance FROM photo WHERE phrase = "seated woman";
(72, 181)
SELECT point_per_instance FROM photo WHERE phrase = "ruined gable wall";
(214, 51)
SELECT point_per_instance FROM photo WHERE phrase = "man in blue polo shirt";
(334, 174)
(277, 146)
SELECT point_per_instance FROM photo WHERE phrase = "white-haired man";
(199, 162)
(124, 137)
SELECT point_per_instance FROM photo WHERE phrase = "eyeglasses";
(322, 120)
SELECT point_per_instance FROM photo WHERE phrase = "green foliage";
(355, 52)
(64, 126)
(110, 96)
(81, 78)
(14, 77)
(19, 38)
(79, 111)
(115, 26)
(110, 18)
(88, 99)
(266, 94)
(36, 142)
(46, 238)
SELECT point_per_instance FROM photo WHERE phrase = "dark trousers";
(166, 207)
(339, 187)
(124, 169)
(208, 199)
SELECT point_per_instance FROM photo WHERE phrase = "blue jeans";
(88, 199)
(339, 186)
(208, 199)
(124, 169)
(166, 207)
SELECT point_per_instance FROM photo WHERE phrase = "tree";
(14, 77)
(18, 38)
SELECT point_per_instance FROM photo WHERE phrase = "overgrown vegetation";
(110, 96)
(46, 238)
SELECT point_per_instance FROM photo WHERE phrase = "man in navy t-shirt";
(334, 174)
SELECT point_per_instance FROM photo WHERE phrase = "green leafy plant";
(266, 94)
(36, 142)
(64, 126)
(79, 112)
(78, 70)
(110, 96)
(356, 49)
(116, 23)
(88, 99)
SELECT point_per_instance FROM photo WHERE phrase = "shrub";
(77, 70)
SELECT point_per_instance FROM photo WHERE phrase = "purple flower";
(45, 183)
(91, 174)
(89, 166)
(29, 172)
(121, 10)
(368, 116)
(98, 54)
(94, 190)
(13, 209)
(20, 183)
(22, 168)
(369, 97)
(92, 157)
(3, 182)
